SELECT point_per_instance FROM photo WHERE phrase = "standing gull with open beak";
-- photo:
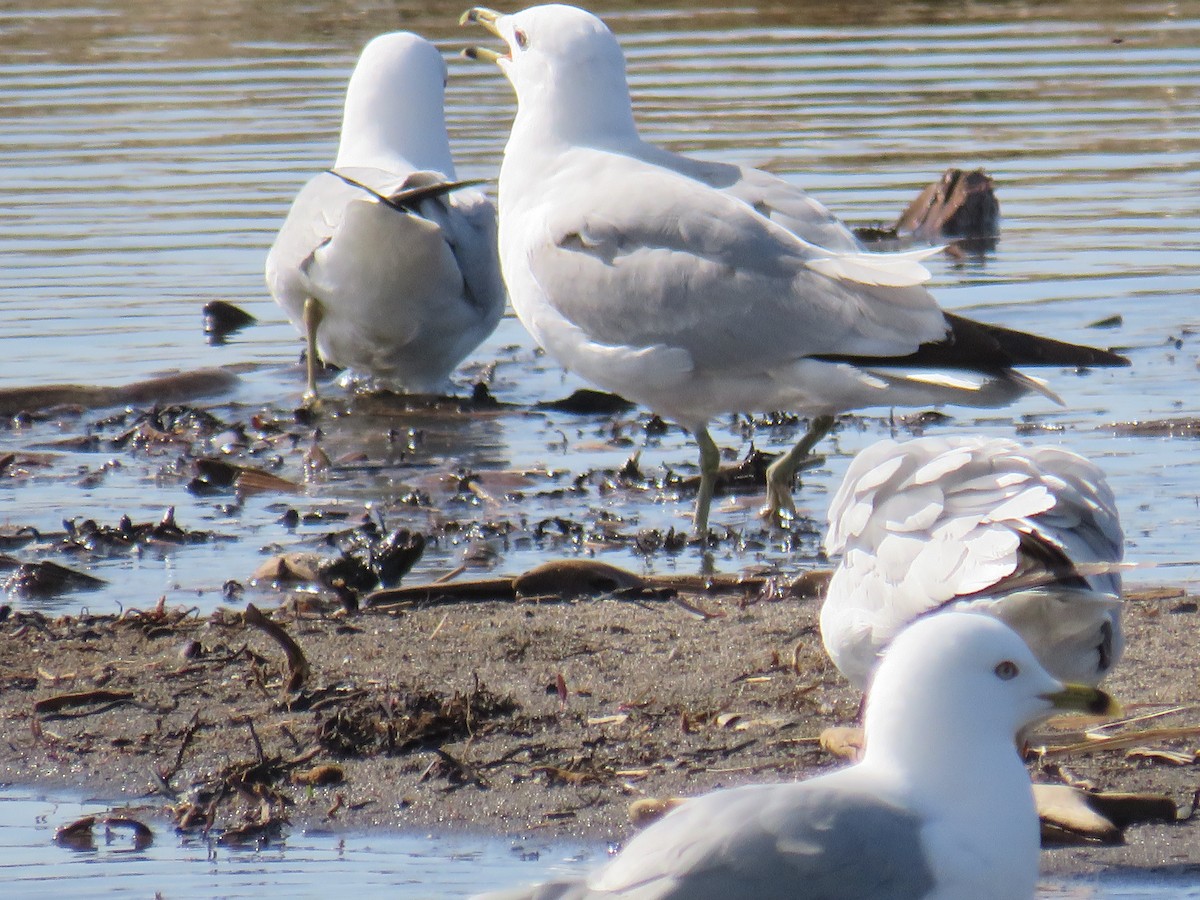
(639, 275)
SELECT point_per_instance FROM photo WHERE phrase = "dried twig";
(297, 663)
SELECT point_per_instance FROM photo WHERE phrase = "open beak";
(1083, 699)
(481, 15)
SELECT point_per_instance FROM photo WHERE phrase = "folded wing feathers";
(877, 269)
(943, 516)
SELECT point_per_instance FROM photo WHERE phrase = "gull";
(1029, 534)
(650, 275)
(386, 264)
(940, 806)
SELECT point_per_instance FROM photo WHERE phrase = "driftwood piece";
(572, 579)
(1071, 816)
(82, 698)
(222, 318)
(80, 834)
(47, 579)
(165, 389)
(960, 204)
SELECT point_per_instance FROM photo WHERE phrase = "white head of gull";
(386, 264)
(939, 807)
(698, 289)
(1030, 534)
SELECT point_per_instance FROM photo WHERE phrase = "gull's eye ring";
(521, 38)
(1007, 670)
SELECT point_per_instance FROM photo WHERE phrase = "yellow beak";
(1084, 699)
(481, 15)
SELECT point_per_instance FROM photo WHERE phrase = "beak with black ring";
(1083, 699)
(486, 18)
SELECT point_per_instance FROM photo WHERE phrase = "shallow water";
(150, 150)
(309, 864)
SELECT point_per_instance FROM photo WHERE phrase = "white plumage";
(940, 808)
(389, 267)
(1028, 534)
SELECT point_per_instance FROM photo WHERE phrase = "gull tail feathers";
(1035, 386)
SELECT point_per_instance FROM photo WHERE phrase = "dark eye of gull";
(1007, 670)
(522, 38)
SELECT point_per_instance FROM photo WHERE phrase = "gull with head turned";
(698, 289)
(386, 263)
(1029, 534)
(939, 808)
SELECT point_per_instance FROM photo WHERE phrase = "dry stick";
(1123, 741)
(450, 576)
(484, 589)
(82, 698)
(297, 663)
(435, 631)
(166, 775)
(258, 747)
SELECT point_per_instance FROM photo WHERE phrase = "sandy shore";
(502, 716)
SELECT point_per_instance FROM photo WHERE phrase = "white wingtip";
(1037, 385)
(877, 269)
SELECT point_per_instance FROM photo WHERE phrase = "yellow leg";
(313, 313)
(710, 464)
(781, 474)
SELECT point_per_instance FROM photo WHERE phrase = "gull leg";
(782, 473)
(710, 463)
(313, 313)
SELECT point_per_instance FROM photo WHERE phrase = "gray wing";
(770, 196)
(669, 262)
(818, 839)
(471, 230)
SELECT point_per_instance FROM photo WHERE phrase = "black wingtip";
(978, 347)
(407, 199)
(1015, 349)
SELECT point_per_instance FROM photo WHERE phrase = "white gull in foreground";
(677, 285)
(940, 806)
(386, 264)
(1027, 534)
